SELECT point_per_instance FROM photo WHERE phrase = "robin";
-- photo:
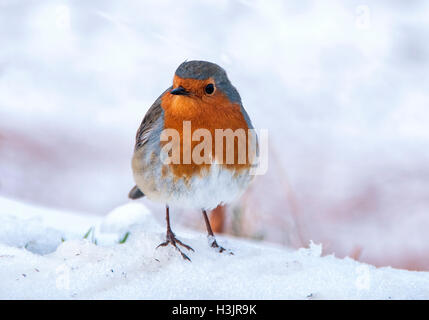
(201, 103)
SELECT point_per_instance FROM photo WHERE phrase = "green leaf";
(87, 234)
(124, 238)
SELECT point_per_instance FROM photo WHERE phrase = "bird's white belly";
(217, 186)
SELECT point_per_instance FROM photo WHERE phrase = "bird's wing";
(149, 123)
(150, 126)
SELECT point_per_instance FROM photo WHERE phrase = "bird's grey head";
(202, 70)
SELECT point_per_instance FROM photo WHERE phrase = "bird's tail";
(135, 193)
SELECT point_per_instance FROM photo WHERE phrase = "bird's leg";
(210, 234)
(171, 238)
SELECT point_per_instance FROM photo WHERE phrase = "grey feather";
(202, 70)
(150, 128)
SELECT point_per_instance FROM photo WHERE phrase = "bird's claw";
(213, 243)
(171, 239)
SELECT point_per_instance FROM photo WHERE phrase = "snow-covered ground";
(43, 256)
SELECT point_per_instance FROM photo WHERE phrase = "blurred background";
(342, 87)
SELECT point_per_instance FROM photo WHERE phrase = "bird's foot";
(213, 243)
(171, 239)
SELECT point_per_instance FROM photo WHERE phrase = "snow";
(79, 269)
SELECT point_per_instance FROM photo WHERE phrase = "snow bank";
(79, 269)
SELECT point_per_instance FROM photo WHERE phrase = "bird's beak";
(180, 91)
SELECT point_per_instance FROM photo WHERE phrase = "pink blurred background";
(341, 87)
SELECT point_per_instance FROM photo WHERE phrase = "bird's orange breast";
(204, 112)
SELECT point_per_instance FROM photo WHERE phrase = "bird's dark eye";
(209, 89)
